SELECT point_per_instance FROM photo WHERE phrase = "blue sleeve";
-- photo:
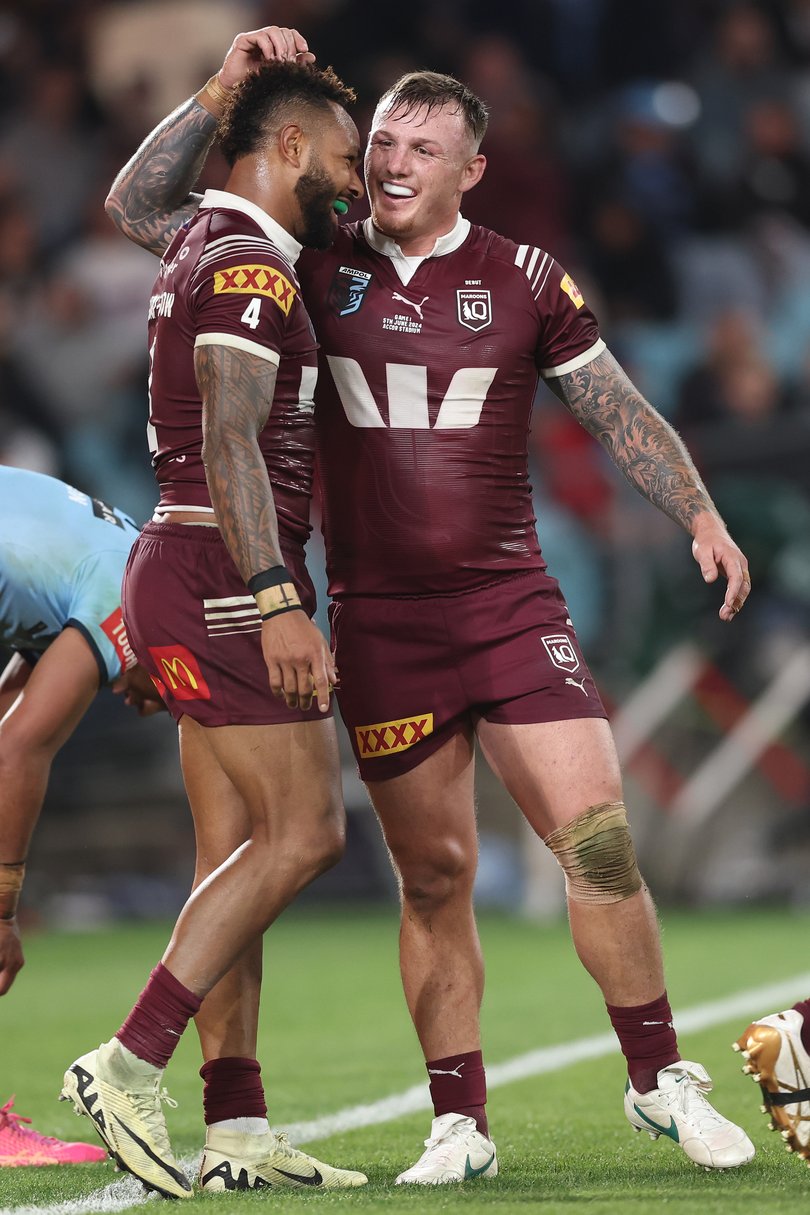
(95, 609)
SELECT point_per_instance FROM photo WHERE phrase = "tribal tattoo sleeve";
(150, 198)
(237, 393)
(646, 449)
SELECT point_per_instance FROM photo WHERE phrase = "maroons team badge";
(560, 649)
(474, 309)
(348, 290)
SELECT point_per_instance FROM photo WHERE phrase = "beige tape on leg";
(11, 880)
(596, 854)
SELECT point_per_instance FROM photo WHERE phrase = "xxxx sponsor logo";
(179, 673)
(388, 737)
(256, 280)
(573, 292)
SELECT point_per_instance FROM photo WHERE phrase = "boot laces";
(12, 1125)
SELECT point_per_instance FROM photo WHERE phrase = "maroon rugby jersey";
(424, 401)
(228, 279)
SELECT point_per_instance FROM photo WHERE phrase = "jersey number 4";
(406, 387)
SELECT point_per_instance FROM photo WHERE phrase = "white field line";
(753, 1001)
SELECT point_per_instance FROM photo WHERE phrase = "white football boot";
(124, 1105)
(678, 1108)
(236, 1161)
(455, 1151)
(777, 1061)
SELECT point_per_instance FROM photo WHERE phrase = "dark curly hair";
(271, 95)
(436, 91)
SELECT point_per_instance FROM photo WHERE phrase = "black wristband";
(274, 576)
(274, 592)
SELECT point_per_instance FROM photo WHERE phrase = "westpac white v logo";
(406, 385)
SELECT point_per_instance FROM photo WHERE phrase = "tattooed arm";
(237, 394)
(151, 196)
(655, 461)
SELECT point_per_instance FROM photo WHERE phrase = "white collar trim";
(448, 243)
(288, 245)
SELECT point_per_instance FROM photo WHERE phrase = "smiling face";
(331, 173)
(418, 164)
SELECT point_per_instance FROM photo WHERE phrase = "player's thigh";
(428, 814)
(400, 696)
(287, 774)
(221, 818)
(554, 770)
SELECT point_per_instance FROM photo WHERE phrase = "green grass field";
(335, 1034)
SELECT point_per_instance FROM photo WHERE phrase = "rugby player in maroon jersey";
(447, 625)
(218, 603)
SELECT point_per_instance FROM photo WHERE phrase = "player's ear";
(292, 145)
(472, 172)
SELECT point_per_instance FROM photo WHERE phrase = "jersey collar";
(448, 243)
(288, 245)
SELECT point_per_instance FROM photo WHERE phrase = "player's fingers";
(9, 969)
(322, 674)
(737, 591)
(283, 42)
(276, 679)
(705, 559)
(302, 52)
(290, 685)
(306, 685)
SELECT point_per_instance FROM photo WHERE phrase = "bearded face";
(316, 191)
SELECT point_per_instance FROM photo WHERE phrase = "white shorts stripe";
(234, 614)
(229, 601)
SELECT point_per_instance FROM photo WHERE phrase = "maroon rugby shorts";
(415, 671)
(195, 626)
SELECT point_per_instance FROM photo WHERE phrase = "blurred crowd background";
(662, 153)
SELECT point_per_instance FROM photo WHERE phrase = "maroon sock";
(233, 1089)
(803, 1007)
(647, 1040)
(164, 1009)
(458, 1085)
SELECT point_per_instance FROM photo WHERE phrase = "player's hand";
(11, 954)
(716, 553)
(299, 662)
(138, 691)
(267, 45)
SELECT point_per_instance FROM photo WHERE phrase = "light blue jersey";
(62, 558)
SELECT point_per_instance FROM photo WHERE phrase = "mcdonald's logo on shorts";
(179, 672)
(389, 737)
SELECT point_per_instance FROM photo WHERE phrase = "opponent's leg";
(565, 777)
(776, 1050)
(428, 819)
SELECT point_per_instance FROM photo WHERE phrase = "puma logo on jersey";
(575, 683)
(411, 303)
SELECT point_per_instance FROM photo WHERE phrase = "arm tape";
(11, 881)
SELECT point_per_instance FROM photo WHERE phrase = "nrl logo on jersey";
(474, 309)
(348, 290)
